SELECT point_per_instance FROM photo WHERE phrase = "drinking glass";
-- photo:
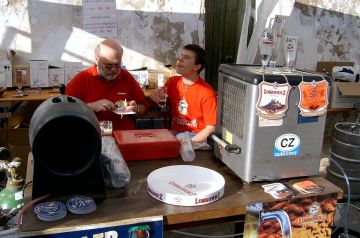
(265, 48)
(106, 128)
(290, 49)
(162, 96)
(274, 49)
(20, 81)
(277, 31)
(289, 63)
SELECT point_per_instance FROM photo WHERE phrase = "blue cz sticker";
(287, 145)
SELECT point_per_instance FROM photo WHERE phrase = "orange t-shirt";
(192, 107)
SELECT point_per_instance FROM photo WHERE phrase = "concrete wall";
(328, 30)
(153, 31)
(150, 31)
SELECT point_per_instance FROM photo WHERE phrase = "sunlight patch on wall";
(351, 7)
(80, 47)
(26, 46)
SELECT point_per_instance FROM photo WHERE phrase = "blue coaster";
(81, 205)
(50, 211)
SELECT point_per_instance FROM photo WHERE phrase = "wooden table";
(134, 201)
(10, 102)
(40, 95)
(30, 95)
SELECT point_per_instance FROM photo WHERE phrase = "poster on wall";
(99, 17)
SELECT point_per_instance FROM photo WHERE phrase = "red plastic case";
(147, 144)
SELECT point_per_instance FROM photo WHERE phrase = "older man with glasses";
(106, 83)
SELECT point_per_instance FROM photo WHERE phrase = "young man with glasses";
(106, 83)
(193, 102)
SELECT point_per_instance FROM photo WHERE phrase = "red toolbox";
(147, 144)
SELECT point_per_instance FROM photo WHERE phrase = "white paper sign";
(100, 17)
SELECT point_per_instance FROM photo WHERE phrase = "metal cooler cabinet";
(238, 124)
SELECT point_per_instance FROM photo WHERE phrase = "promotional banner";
(147, 227)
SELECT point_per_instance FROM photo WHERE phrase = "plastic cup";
(106, 128)
(186, 149)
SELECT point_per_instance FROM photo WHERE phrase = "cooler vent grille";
(234, 96)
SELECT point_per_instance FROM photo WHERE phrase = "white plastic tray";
(185, 185)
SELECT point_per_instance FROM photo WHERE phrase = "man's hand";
(155, 96)
(131, 107)
(102, 105)
(139, 109)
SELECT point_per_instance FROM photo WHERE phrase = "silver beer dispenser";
(248, 147)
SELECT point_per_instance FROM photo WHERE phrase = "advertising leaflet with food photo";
(304, 217)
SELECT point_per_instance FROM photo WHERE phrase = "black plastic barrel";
(65, 142)
(345, 150)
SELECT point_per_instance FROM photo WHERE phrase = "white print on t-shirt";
(183, 107)
(184, 122)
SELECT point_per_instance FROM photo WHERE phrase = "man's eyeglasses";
(110, 66)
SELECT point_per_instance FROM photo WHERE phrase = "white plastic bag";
(116, 172)
(186, 149)
(344, 73)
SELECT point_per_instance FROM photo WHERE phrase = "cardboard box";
(155, 74)
(22, 115)
(5, 110)
(141, 76)
(149, 77)
(5, 74)
(71, 69)
(21, 75)
(147, 144)
(39, 73)
(326, 67)
(344, 95)
(56, 77)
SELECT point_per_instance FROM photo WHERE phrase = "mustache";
(110, 74)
